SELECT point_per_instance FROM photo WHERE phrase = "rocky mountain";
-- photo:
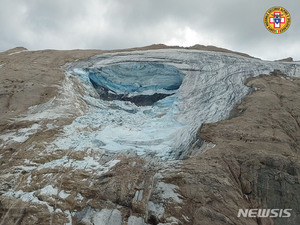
(155, 135)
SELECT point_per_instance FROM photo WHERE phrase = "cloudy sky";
(114, 24)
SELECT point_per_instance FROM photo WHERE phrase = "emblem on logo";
(277, 20)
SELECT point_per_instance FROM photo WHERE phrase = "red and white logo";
(277, 19)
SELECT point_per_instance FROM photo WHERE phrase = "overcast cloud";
(113, 24)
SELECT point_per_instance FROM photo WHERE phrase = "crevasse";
(186, 88)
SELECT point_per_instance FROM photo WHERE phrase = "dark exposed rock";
(139, 100)
(289, 59)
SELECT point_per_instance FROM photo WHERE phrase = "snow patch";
(69, 216)
(79, 197)
(14, 53)
(29, 178)
(186, 218)
(27, 197)
(50, 126)
(167, 191)
(49, 190)
(173, 220)
(91, 216)
(62, 194)
(133, 220)
(155, 209)
(88, 163)
(20, 135)
(25, 168)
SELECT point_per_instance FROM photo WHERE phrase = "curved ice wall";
(198, 87)
(139, 82)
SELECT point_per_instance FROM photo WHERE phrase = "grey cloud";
(111, 24)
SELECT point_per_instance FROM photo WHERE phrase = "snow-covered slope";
(199, 86)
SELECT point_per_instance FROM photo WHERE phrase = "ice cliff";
(153, 102)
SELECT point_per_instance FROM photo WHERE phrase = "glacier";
(186, 88)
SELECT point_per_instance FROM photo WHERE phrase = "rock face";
(263, 140)
(240, 151)
(289, 59)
